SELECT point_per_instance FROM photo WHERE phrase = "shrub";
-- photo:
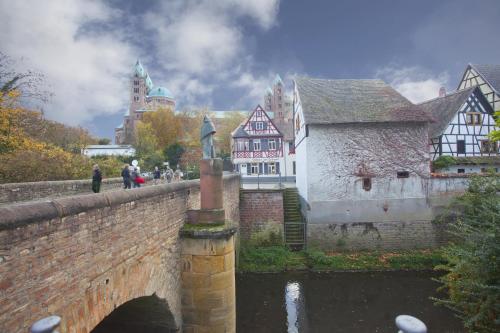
(443, 162)
(473, 278)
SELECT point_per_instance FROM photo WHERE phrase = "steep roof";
(443, 109)
(490, 73)
(240, 132)
(354, 101)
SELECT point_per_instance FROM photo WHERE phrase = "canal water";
(309, 302)
(338, 302)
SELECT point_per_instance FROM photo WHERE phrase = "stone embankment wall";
(261, 214)
(17, 192)
(388, 228)
(82, 256)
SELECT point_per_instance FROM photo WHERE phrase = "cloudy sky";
(223, 53)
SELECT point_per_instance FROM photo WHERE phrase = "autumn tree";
(28, 84)
(225, 127)
(164, 125)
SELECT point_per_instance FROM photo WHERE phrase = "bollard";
(46, 325)
(409, 324)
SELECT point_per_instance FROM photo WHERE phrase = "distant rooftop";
(490, 73)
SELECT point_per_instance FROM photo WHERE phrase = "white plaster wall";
(341, 155)
(302, 168)
(287, 166)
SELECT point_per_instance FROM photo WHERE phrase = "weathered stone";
(87, 255)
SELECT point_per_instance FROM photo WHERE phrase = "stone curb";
(21, 214)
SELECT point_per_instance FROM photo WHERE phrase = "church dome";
(160, 92)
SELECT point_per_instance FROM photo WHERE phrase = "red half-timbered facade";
(258, 145)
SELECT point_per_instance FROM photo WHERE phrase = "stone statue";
(207, 140)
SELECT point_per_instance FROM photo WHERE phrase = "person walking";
(126, 177)
(169, 174)
(96, 179)
(156, 176)
(135, 175)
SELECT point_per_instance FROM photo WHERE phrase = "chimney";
(442, 92)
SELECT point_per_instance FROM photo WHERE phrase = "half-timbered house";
(462, 123)
(487, 78)
(258, 147)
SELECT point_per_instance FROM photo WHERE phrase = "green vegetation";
(280, 258)
(443, 162)
(473, 260)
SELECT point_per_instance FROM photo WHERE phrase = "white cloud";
(414, 83)
(84, 70)
(86, 48)
(203, 41)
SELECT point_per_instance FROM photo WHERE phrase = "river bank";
(282, 259)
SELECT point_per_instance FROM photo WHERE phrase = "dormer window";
(259, 125)
(473, 118)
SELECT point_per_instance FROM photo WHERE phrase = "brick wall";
(82, 256)
(261, 212)
(16, 192)
(420, 234)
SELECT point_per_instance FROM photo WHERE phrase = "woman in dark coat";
(126, 177)
(96, 179)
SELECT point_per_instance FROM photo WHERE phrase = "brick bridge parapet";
(82, 256)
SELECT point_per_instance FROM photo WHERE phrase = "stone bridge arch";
(148, 314)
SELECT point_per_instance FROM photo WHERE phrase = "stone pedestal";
(208, 283)
(211, 184)
(208, 273)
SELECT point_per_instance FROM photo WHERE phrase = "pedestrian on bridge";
(96, 179)
(126, 177)
(156, 176)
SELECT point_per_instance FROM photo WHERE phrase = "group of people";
(132, 177)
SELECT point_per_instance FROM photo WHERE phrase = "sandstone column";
(208, 273)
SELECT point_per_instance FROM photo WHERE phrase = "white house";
(260, 150)
(362, 157)
(108, 150)
(463, 121)
(487, 78)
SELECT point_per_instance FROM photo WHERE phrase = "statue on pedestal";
(207, 140)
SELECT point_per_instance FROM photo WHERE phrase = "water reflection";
(292, 297)
(337, 302)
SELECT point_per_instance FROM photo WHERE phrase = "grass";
(279, 259)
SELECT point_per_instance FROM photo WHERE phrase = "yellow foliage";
(25, 158)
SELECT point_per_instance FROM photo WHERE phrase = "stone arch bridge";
(83, 256)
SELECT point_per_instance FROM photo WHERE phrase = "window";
(271, 168)
(258, 113)
(367, 184)
(473, 118)
(279, 98)
(259, 125)
(242, 145)
(272, 144)
(460, 146)
(403, 174)
(256, 145)
(136, 98)
(461, 170)
(136, 83)
(254, 169)
(136, 90)
(488, 146)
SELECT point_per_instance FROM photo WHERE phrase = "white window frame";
(259, 125)
(271, 168)
(272, 144)
(256, 145)
(256, 167)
